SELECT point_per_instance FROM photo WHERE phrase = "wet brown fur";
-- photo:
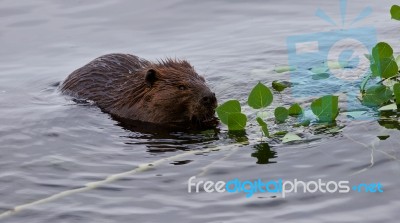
(119, 85)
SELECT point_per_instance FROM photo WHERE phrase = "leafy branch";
(384, 94)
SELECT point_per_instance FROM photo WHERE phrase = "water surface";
(50, 144)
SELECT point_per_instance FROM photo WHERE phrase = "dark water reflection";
(50, 143)
(263, 154)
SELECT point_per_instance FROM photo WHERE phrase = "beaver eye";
(182, 87)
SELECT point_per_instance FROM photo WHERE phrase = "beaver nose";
(209, 99)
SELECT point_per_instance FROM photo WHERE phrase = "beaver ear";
(151, 77)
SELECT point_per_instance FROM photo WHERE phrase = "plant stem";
(388, 78)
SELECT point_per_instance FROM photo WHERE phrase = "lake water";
(49, 144)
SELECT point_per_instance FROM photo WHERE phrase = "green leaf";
(376, 95)
(383, 64)
(385, 68)
(279, 86)
(395, 12)
(334, 65)
(390, 107)
(290, 137)
(223, 111)
(306, 122)
(281, 114)
(280, 133)
(389, 68)
(283, 69)
(237, 121)
(320, 76)
(264, 126)
(382, 50)
(295, 110)
(318, 70)
(326, 108)
(375, 69)
(260, 96)
(396, 91)
(383, 137)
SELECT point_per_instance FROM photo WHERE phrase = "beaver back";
(101, 80)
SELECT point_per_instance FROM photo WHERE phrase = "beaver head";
(173, 93)
(179, 94)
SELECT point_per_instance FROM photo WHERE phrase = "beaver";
(167, 92)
